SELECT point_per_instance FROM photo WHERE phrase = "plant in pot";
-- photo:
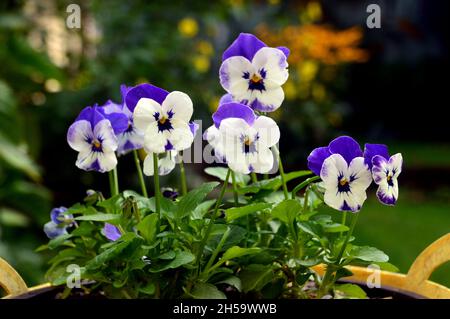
(254, 238)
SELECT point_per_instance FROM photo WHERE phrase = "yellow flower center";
(343, 182)
(247, 141)
(96, 143)
(163, 120)
(255, 78)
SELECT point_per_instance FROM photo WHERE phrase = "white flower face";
(345, 185)
(256, 83)
(166, 126)
(385, 174)
(96, 146)
(247, 148)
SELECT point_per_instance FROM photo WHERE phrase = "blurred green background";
(379, 85)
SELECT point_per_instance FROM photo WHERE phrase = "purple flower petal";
(371, 150)
(57, 215)
(316, 159)
(144, 90)
(111, 232)
(90, 114)
(347, 147)
(285, 50)
(119, 121)
(53, 230)
(245, 45)
(193, 127)
(123, 92)
(226, 98)
(233, 110)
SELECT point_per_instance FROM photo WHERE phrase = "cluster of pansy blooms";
(242, 135)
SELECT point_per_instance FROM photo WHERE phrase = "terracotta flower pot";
(414, 284)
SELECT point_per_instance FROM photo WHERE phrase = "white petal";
(78, 134)
(148, 165)
(154, 141)
(231, 74)
(396, 162)
(181, 136)
(239, 163)
(268, 131)
(213, 136)
(144, 113)
(274, 63)
(166, 164)
(359, 175)
(104, 132)
(271, 99)
(332, 168)
(180, 104)
(234, 127)
(262, 161)
(333, 198)
(107, 161)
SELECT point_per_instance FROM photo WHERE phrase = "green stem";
(116, 181)
(183, 176)
(344, 220)
(157, 188)
(334, 267)
(305, 183)
(213, 218)
(254, 177)
(235, 192)
(283, 177)
(215, 253)
(139, 171)
(111, 183)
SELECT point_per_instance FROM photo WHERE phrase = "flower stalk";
(157, 187)
(183, 176)
(139, 171)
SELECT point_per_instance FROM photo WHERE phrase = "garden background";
(378, 85)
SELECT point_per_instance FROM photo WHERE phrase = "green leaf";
(148, 289)
(238, 212)
(232, 281)
(112, 252)
(311, 228)
(271, 184)
(367, 253)
(99, 217)
(255, 277)
(221, 173)
(192, 199)
(206, 291)
(287, 210)
(181, 258)
(17, 157)
(12, 218)
(236, 251)
(168, 207)
(202, 209)
(58, 241)
(148, 227)
(349, 291)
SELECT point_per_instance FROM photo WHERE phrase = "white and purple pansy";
(247, 140)
(167, 160)
(224, 111)
(131, 138)
(94, 136)
(385, 171)
(344, 173)
(111, 232)
(162, 116)
(59, 222)
(253, 73)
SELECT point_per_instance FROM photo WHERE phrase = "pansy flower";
(253, 73)
(130, 138)
(59, 222)
(385, 171)
(162, 116)
(93, 135)
(246, 141)
(226, 110)
(111, 232)
(344, 173)
(168, 160)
